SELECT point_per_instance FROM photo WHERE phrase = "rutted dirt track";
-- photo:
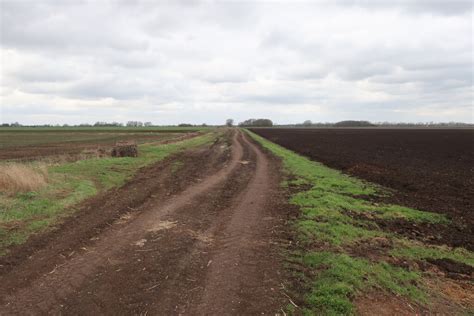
(192, 238)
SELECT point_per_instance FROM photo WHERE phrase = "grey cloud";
(64, 26)
(450, 7)
(44, 71)
(188, 61)
(360, 71)
(462, 76)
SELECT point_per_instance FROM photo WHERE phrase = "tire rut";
(238, 281)
(207, 250)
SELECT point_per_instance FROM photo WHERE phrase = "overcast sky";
(204, 61)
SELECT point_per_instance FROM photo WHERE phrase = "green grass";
(338, 277)
(332, 233)
(326, 233)
(70, 183)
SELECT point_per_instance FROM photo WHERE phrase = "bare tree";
(229, 122)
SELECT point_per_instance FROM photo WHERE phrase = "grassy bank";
(340, 254)
(24, 213)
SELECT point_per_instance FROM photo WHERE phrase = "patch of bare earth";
(383, 304)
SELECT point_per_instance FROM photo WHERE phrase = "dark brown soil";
(428, 169)
(202, 239)
(453, 268)
(453, 235)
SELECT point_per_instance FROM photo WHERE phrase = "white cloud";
(193, 61)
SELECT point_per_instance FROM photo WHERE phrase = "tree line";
(262, 122)
(354, 123)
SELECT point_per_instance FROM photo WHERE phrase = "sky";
(173, 62)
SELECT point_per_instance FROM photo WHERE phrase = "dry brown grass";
(16, 177)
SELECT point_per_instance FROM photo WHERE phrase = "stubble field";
(35, 143)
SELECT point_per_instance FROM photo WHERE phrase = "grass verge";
(25, 213)
(328, 237)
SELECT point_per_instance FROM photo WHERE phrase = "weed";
(15, 177)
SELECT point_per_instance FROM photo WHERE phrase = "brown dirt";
(428, 169)
(454, 292)
(384, 304)
(453, 268)
(202, 240)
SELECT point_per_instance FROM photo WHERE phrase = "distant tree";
(16, 124)
(104, 124)
(148, 124)
(256, 123)
(5, 125)
(307, 123)
(134, 124)
(229, 122)
(353, 124)
(185, 125)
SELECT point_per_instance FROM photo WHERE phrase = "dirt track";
(196, 240)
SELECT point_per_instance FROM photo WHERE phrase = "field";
(225, 221)
(428, 169)
(33, 143)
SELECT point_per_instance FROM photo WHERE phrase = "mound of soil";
(125, 150)
(452, 268)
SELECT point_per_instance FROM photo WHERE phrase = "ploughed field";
(429, 169)
(34, 143)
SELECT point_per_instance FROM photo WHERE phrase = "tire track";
(213, 254)
(44, 294)
(238, 281)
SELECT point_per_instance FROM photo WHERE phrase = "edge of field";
(24, 214)
(343, 262)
